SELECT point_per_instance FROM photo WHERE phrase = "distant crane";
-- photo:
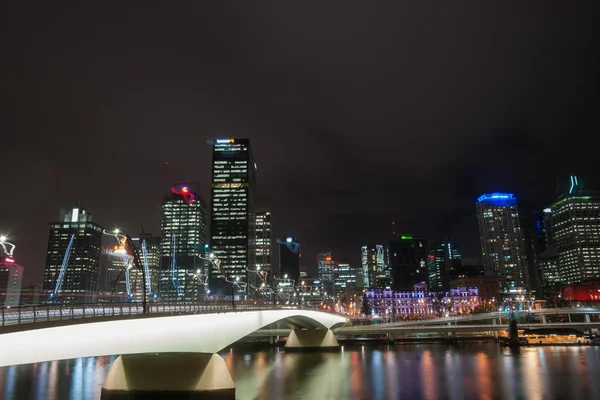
(63, 268)
(174, 269)
(146, 269)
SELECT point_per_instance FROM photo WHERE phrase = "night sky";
(358, 113)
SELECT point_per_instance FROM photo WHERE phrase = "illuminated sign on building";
(496, 196)
(185, 192)
(221, 141)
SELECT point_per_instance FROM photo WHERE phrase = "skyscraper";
(183, 234)
(72, 261)
(374, 271)
(113, 263)
(151, 255)
(232, 229)
(502, 243)
(345, 278)
(407, 261)
(289, 259)
(11, 275)
(576, 229)
(443, 264)
(263, 240)
(543, 230)
(326, 266)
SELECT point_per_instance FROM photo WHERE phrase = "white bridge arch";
(204, 333)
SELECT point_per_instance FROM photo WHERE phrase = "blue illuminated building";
(502, 243)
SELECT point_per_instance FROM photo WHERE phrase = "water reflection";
(478, 371)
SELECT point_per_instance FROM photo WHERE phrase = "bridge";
(184, 339)
(158, 352)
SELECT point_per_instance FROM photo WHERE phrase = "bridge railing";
(52, 312)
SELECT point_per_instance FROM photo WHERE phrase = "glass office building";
(233, 219)
(502, 242)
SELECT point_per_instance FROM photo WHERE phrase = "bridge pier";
(311, 339)
(173, 375)
(495, 331)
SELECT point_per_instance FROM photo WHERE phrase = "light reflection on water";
(478, 371)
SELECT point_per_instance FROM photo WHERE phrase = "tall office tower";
(543, 230)
(326, 266)
(289, 259)
(232, 228)
(407, 261)
(502, 243)
(113, 263)
(73, 258)
(151, 256)
(263, 241)
(374, 271)
(444, 264)
(345, 278)
(576, 229)
(11, 275)
(183, 234)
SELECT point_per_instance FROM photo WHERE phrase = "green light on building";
(406, 237)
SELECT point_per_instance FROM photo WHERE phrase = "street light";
(217, 264)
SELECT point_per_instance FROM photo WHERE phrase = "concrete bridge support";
(390, 337)
(172, 375)
(495, 332)
(311, 339)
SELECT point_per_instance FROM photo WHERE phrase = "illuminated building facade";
(11, 275)
(233, 219)
(420, 303)
(113, 261)
(183, 235)
(375, 274)
(152, 256)
(345, 279)
(325, 268)
(407, 255)
(587, 292)
(443, 264)
(502, 243)
(263, 240)
(73, 258)
(576, 230)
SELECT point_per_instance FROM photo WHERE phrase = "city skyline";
(354, 258)
(324, 199)
(352, 126)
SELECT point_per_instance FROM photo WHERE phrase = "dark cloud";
(358, 113)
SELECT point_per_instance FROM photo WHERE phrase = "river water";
(426, 371)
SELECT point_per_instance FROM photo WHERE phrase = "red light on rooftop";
(9, 260)
(431, 256)
(328, 258)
